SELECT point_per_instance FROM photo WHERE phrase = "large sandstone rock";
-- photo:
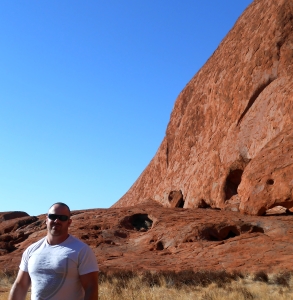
(230, 132)
(8, 215)
(151, 237)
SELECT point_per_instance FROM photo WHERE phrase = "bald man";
(59, 266)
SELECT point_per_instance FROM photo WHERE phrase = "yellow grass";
(241, 288)
(6, 281)
(173, 286)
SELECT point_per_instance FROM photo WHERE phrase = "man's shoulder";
(39, 242)
(72, 240)
(86, 256)
(34, 246)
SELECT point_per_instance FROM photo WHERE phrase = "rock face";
(12, 215)
(229, 142)
(152, 237)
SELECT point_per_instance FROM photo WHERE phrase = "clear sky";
(87, 89)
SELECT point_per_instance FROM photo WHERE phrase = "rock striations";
(229, 142)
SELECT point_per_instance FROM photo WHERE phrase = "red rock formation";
(152, 237)
(229, 140)
(12, 215)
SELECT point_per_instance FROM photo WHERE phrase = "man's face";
(57, 227)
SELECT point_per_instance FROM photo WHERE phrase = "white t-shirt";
(54, 270)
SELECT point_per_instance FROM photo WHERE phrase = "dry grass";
(6, 281)
(185, 285)
(189, 285)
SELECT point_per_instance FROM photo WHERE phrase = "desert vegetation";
(205, 285)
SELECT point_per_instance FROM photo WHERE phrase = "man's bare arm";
(20, 286)
(90, 285)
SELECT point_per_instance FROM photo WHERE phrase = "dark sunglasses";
(53, 217)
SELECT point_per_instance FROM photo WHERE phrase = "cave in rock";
(232, 182)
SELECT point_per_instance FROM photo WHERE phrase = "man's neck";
(56, 240)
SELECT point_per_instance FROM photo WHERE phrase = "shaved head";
(61, 204)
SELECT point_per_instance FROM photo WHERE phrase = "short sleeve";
(87, 261)
(24, 261)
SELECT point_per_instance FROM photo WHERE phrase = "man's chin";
(55, 231)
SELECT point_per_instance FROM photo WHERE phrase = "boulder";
(4, 216)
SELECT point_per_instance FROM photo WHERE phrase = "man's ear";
(70, 221)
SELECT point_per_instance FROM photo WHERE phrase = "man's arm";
(90, 285)
(20, 286)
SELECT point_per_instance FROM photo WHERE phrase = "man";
(59, 266)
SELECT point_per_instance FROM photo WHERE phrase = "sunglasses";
(53, 217)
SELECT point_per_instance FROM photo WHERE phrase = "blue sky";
(87, 89)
